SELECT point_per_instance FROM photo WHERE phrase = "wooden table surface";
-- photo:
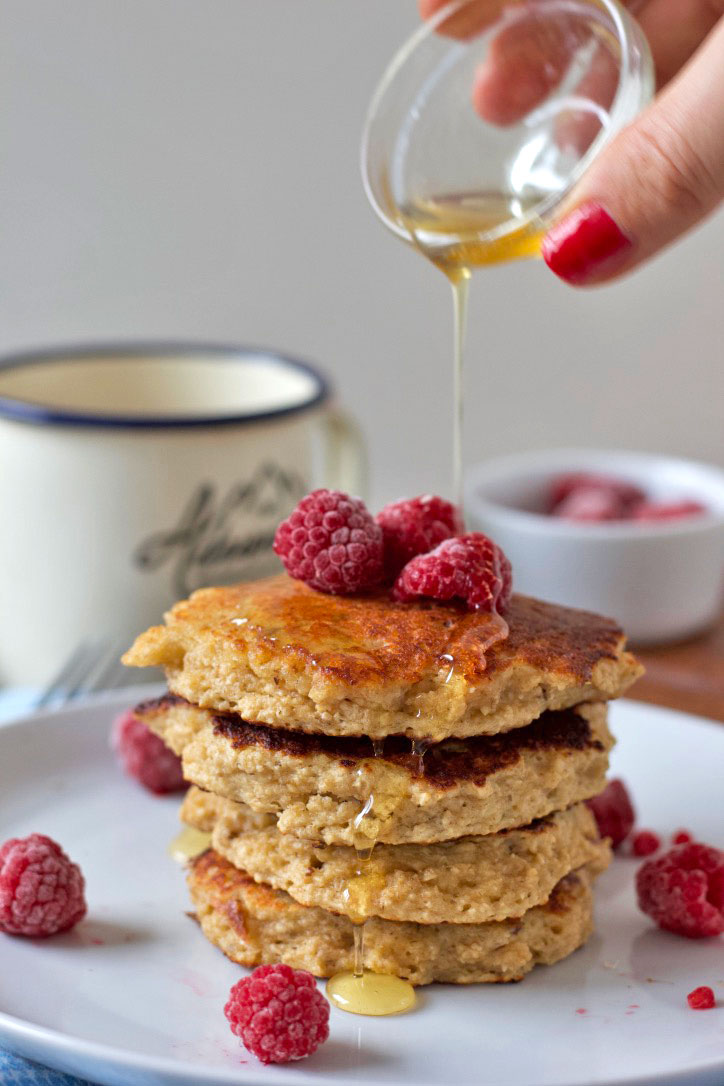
(688, 676)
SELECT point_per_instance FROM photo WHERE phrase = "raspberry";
(331, 542)
(564, 485)
(683, 891)
(613, 812)
(146, 757)
(469, 567)
(278, 1013)
(41, 890)
(645, 842)
(701, 999)
(414, 527)
(667, 510)
(681, 837)
(590, 503)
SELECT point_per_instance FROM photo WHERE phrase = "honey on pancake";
(362, 640)
(419, 749)
(359, 990)
(327, 632)
(189, 843)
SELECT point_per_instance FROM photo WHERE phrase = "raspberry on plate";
(645, 842)
(701, 999)
(681, 837)
(146, 757)
(41, 889)
(278, 1013)
(414, 527)
(470, 568)
(683, 890)
(331, 542)
(613, 812)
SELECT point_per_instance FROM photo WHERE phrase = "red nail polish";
(581, 243)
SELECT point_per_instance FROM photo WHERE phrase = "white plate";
(135, 994)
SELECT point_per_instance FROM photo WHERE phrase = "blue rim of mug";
(31, 411)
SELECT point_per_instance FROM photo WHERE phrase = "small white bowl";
(661, 580)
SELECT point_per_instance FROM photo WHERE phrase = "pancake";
(254, 924)
(278, 652)
(470, 880)
(317, 785)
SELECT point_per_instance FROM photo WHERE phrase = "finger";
(428, 8)
(471, 19)
(525, 62)
(675, 29)
(657, 179)
(528, 59)
(576, 129)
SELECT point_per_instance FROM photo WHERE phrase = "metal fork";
(91, 667)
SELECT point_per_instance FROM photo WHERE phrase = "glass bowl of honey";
(489, 115)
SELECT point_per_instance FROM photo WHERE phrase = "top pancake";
(279, 652)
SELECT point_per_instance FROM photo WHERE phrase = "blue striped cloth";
(14, 1070)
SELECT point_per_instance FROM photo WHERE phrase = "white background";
(189, 168)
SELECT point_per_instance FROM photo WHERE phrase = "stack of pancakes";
(314, 727)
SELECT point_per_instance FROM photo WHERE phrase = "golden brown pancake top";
(369, 640)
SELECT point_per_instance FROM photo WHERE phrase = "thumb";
(659, 177)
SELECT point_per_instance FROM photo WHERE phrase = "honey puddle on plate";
(188, 843)
(370, 993)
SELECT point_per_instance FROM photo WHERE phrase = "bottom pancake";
(470, 880)
(254, 925)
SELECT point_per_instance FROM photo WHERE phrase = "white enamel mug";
(131, 475)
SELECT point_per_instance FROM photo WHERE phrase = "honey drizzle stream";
(363, 847)
(419, 749)
(361, 991)
(459, 232)
(460, 285)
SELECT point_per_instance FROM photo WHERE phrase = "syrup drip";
(460, 306)
(481, 636)
(360, 991)
(359, 950)
(419, 749)
(483, 630)
(188, 843)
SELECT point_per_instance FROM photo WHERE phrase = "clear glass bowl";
(489, 115)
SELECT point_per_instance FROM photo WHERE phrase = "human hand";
(662, 174)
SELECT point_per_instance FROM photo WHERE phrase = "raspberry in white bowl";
(660, 576)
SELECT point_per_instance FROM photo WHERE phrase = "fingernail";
(583, 242)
